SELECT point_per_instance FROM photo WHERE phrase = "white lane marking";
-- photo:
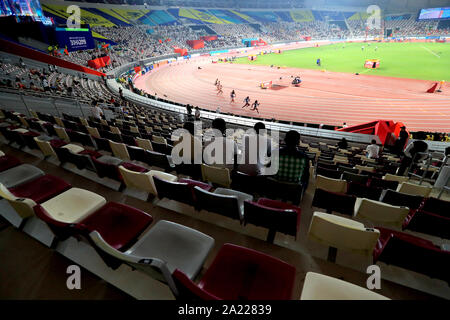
(431, 52)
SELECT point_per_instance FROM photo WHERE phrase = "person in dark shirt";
(410, 154)
(401, 141)
(343, 144)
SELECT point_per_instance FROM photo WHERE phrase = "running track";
(324, 97)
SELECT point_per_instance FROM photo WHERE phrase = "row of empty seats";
(170, 252)
(276, 216)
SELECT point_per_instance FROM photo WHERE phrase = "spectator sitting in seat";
(97, 112)
(190, 127)
(229, 148)
(293, 163)
(373, 150)
(253, 163)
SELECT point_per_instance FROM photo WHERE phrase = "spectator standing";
(343, 144)
(401, 141)
(197, 114)
(409, 155)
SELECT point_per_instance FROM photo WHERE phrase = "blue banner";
(75, 40)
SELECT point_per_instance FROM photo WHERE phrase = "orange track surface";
(324, 97)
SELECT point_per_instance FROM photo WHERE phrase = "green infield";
(416, 60)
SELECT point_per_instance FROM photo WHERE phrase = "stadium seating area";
(135, 151)
(359, 206)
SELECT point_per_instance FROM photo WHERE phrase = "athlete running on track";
(232, 95)
(247, 102)
(255, 106)
(219, 87)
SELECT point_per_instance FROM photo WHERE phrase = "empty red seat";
(363, 191)
(181, 191)
(133, 167)
(428, 223)
(8, 162)
(412, 253)
(41, 189)
(277, 216)
(239, 273)
(91, 153)
(437, 206)
(195, 183)
(118, 224)
(57, 143)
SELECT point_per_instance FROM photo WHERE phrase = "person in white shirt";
(373, 150)
(97, 112)
(253, 163)
(45, 85)
(226, 146)
(197, 114)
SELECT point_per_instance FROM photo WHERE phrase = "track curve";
(324, 97)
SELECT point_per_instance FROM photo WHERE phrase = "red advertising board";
(196, 44)
(99, 62)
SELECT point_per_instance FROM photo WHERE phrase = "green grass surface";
(427, 61)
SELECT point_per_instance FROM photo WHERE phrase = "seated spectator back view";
(293, 163)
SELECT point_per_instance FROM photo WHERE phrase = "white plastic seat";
(19, 175)
(119, 150)
(392, 177)
(342, 233)
(144, 181)
(414, 189)
(45, 147)
(144, 144)
(73, 205)
(59, 122)
(110, 160)
(216, 175)
(62, 134)
(175, 245)
(321, 287)
(159, 139)
(21, 130)
(241, 197)
(330, 184)
(73, 148)
(24, 122)
(365, 169)
(93, 131)
(114, 130)
(379, 212)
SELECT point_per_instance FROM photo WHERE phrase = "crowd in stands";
(49, 80)
(134, 42)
